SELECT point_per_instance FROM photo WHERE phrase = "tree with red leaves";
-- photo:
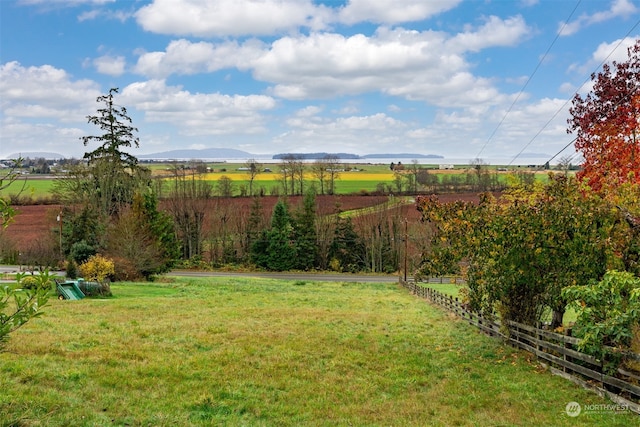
(606, 123)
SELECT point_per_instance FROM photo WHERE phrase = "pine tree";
(281, 251)
(347, 247)
(114, 174)
(305, 233)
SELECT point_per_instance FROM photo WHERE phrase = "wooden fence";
(555, 351)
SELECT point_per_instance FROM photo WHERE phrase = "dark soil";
(33, 222)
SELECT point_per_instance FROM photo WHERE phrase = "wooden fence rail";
(557, 351)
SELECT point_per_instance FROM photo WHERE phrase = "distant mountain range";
(36, 155)
(401, 156)
(307, 156)
(233, 154)
(205, 153)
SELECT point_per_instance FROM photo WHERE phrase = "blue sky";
(453, 78)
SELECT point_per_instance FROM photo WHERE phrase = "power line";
(569, 100)
(566, 22)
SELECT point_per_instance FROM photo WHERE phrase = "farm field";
(32, 222)
(221, 351)
(365, 178)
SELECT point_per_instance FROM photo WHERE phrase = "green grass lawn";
(261, 352)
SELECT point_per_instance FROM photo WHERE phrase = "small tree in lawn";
(19, 304)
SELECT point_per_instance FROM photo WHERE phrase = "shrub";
(125, 269)
(35, 282)
(17, 307)
(81, 251)
(608, 312)
(18, 304)
(92, 289)
(29, 282)
(97, 268)
(71, 269)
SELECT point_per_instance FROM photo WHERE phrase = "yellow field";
(272, 176)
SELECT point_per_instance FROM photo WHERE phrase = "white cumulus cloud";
(618, 8)
(198, 113)
(218, 18)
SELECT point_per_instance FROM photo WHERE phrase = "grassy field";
(365, 178)
(261, 352)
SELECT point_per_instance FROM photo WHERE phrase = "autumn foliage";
(606, 125)
(518, 252)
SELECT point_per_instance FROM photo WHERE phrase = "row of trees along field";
(571, 242)
(111, 207)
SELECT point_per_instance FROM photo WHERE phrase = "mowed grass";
(261, 352)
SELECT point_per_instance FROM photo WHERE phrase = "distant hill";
(36, 155)
(206, 153)
(307, 156)
(402, 156)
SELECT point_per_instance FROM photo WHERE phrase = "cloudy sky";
(463, 79)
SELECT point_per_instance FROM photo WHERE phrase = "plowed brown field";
(33, 222)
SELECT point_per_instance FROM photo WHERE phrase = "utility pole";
(59, 219)
(406, 246)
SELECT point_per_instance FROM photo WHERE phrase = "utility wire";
(569, 100)
(566, 22)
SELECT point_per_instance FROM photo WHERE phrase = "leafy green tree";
(607, 313)
(625, 234)
(523, 250)
(144, 238)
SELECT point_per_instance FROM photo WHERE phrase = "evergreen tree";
(348, 247)
(305, 233)
(281, 251)
(162, 229)
(114, 174)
